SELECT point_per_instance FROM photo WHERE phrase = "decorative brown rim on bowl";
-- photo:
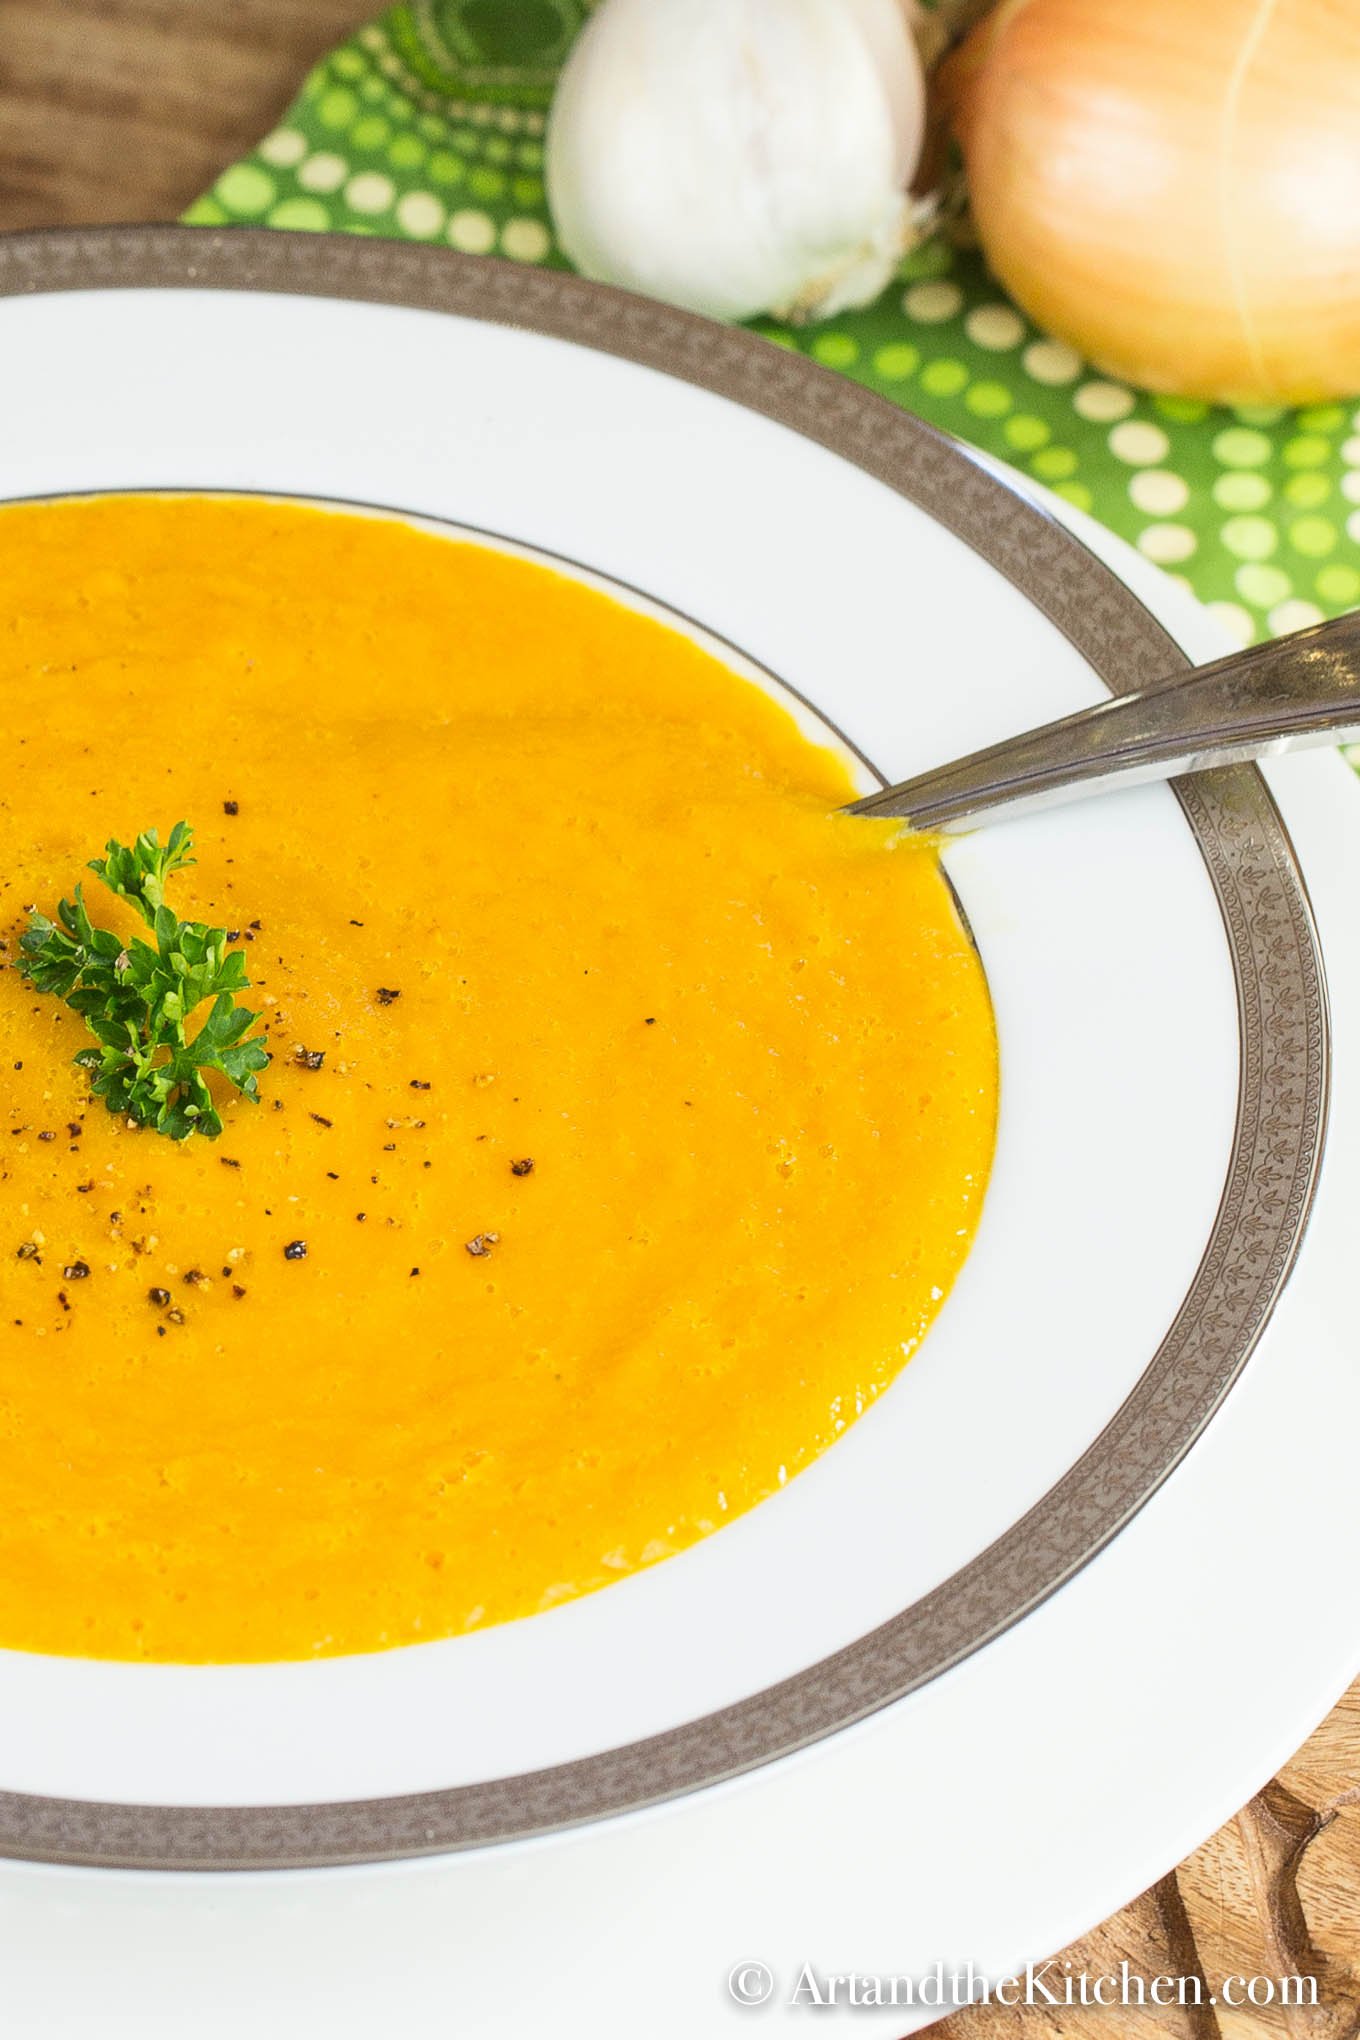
(1277, 1142)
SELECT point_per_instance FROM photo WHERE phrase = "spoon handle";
(1297, 690)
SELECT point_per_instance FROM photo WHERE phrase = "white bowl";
(1157, 986)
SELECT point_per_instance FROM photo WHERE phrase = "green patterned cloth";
(428, 126)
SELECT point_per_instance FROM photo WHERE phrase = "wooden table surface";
(126, 110)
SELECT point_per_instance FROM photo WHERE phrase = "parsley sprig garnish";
(138, 998)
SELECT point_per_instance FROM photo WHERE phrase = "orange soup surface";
(628, 1118)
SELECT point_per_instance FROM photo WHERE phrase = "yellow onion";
(1173, 186)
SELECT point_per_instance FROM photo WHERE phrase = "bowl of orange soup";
(544, 1264)
(620, 1139)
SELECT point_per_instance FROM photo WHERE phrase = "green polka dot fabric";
(428, 125)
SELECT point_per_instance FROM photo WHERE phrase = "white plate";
(1151, 959)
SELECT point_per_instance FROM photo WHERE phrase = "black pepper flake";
(195, 1278)
(233, 934)
(650, 1021)
(332, 1176)
(63, 1300)
(231, 807)
(309, 1058)
(415, 1271)
(523, 1167)
(76, 1271)
(296, 1250)
(386, 996)
(160, 1331)
(389, 1147)
(47, 1136)
(360, 1216)
(257, 926)
(74, 1128)
(229, 1161)
(174, 1317)
(84, 1189)
(319, 1120)
(417, 1085)
(160, 1297)
(237, 1291)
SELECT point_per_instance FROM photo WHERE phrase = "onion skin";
(1173, 186)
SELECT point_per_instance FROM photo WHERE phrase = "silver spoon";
(1298, 690)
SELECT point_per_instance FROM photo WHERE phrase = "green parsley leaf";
(138, 999)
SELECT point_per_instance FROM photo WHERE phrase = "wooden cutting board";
(126, 110)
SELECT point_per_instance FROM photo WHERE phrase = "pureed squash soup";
(628, 1112)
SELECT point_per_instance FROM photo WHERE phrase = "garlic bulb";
(739, 156)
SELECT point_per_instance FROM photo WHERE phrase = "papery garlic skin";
(739, 156)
